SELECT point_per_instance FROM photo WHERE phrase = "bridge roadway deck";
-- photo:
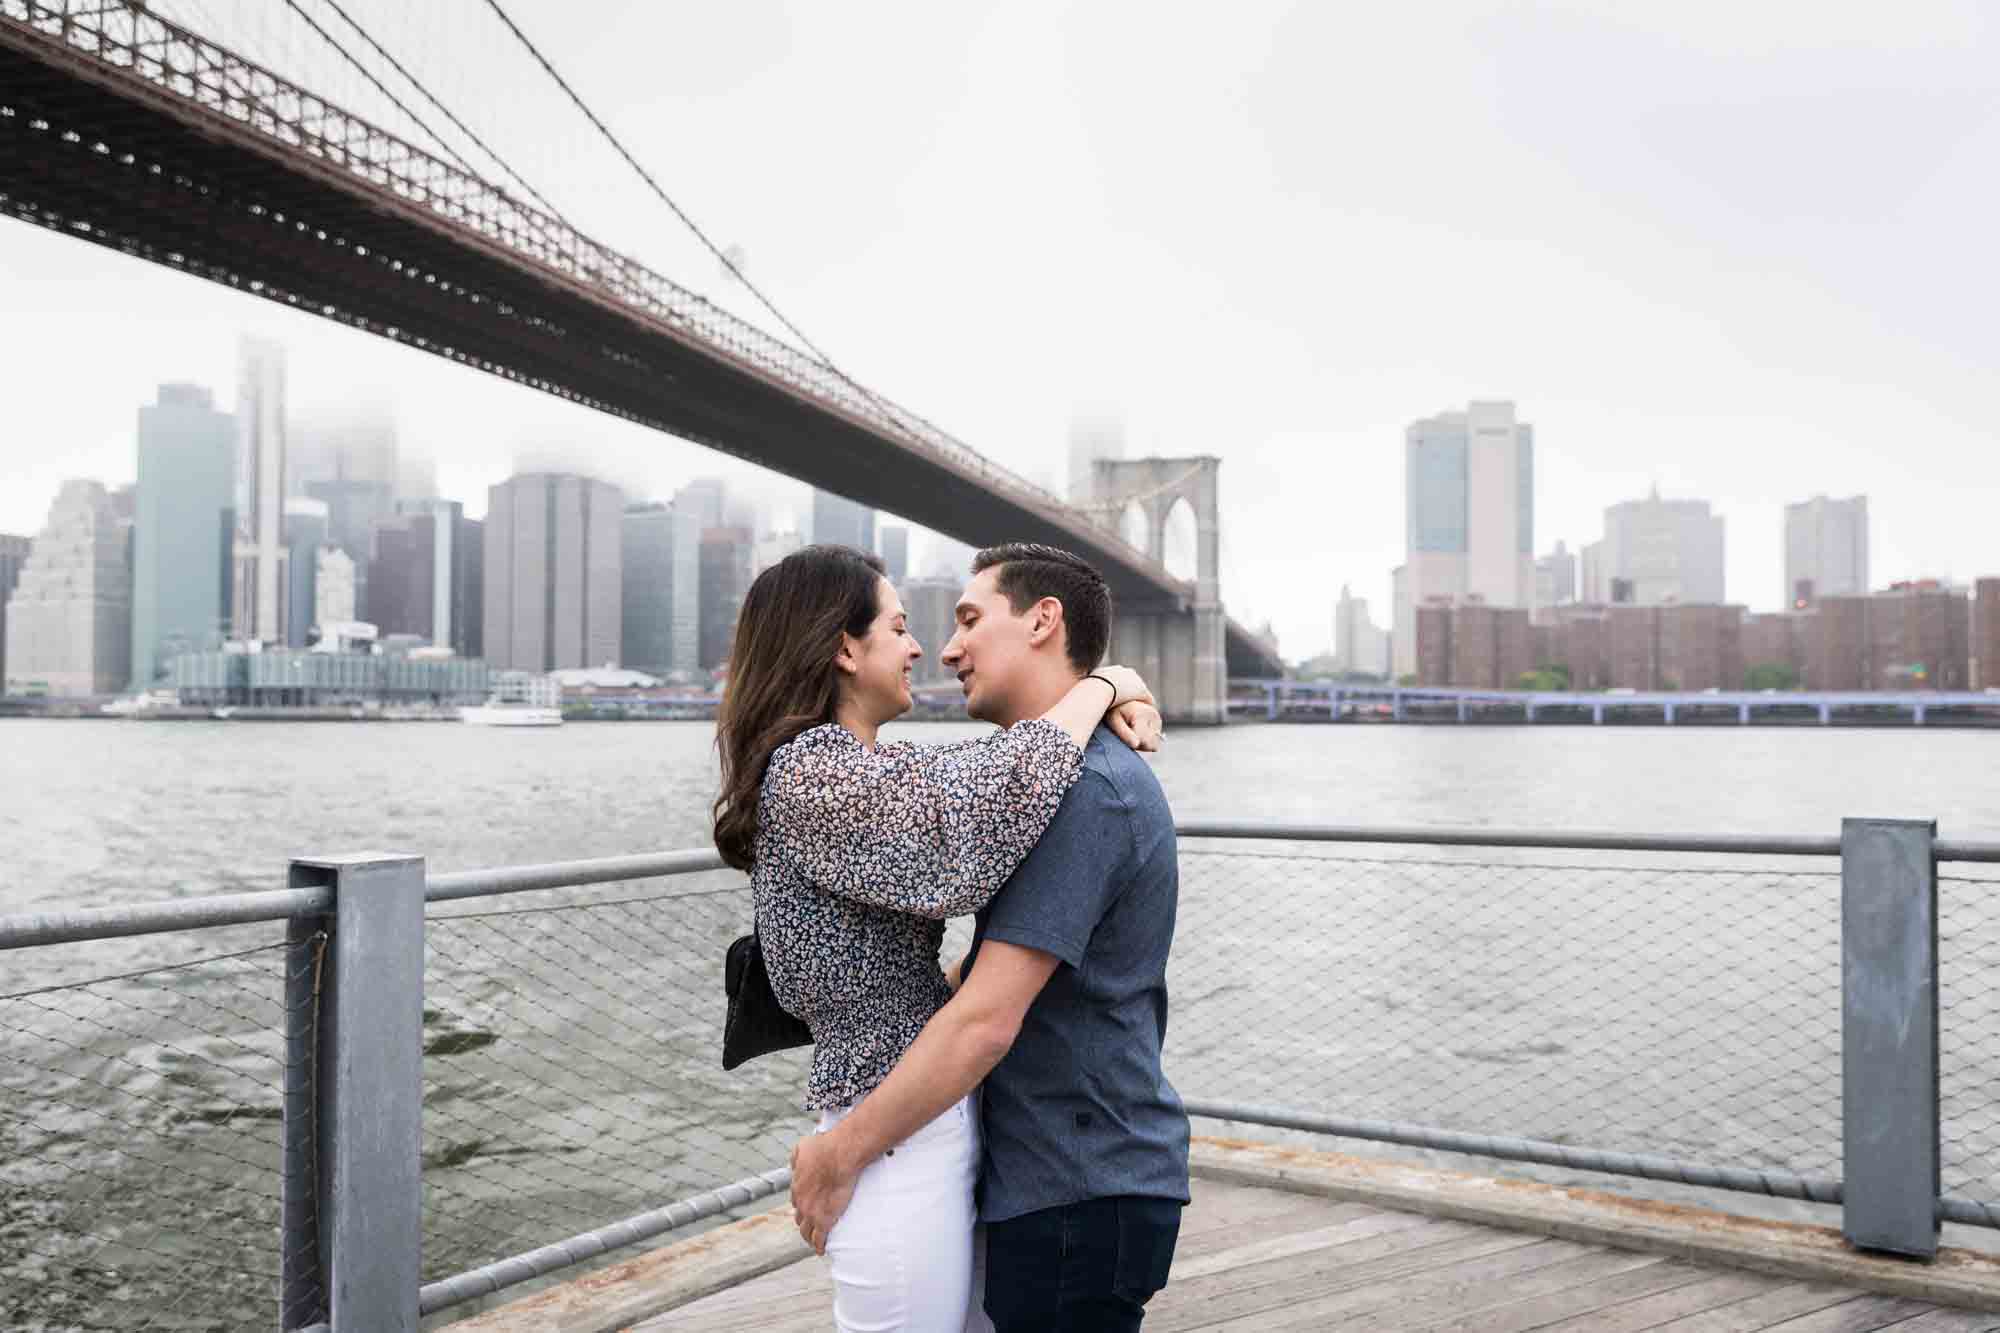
(1265, 1259)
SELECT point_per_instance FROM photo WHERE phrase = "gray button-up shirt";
(1080, 1108)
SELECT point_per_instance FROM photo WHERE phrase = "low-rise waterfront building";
(286, 678)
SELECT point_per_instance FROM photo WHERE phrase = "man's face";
(990, 651)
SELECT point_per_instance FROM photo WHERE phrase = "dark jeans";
(1086, 1267)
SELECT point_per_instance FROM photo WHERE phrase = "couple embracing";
(997, 1147)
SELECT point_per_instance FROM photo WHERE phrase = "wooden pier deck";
(1284, 1238)
(1265, 1259)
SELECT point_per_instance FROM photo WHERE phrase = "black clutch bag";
(756, 1024)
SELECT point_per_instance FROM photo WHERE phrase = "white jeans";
(903, 1253)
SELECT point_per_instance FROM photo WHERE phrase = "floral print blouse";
(862, 854)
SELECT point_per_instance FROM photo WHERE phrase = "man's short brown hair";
(1030, 571)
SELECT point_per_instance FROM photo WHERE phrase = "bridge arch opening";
(1179, 538)
(1132, 525)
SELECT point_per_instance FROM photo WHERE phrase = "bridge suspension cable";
(891, 414)
(428, 96)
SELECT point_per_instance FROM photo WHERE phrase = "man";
(1063, 1003)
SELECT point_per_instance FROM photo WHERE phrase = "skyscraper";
(725, 578)
(553, 560)
(355, 442)
(702, 500)
(305, 533)
(425, 575)
(1655, 552)
(1470, 516)
(183, 531)
(259, 584)
(1826, 550)
(931, 605)
(13, 554)
(69, 621)
(896, 552)
(841, 521)
(353, 508)
(1358, 645)
(334, 579)
(661, 593)
(1555, 578)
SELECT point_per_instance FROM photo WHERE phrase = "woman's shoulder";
(815, 743)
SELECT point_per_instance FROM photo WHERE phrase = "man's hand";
(1137, 724)
(821, 1189)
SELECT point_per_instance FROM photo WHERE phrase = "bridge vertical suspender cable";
(888, 412)
(446, 111)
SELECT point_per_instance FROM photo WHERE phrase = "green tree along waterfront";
(1771, 676)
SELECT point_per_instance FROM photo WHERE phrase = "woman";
(858, 851)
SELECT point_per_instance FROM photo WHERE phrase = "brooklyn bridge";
(126, 128)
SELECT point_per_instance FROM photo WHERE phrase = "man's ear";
(1047, 619)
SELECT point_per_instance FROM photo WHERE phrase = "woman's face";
(878, 663)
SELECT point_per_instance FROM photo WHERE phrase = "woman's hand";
(1137, 724)
(1127, 683)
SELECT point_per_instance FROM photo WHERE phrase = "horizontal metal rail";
(1647, 1166)
(567, 874)
(1947, 849)
(1968, 1212)
(486, 1280)
(103, 923)
(1724, 843)
(95, 923)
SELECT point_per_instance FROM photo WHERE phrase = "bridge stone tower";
(1177, 644)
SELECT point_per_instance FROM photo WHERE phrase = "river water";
(1678, 1005)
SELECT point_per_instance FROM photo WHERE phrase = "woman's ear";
(845, 659)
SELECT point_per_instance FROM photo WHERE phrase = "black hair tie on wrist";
(1108, 681)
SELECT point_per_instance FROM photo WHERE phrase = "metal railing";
(436, 1087)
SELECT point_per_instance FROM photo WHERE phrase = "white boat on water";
(518, 699)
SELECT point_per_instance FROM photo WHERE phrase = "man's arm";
(956, 1049)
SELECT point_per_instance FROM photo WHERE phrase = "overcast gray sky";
(1741, 250)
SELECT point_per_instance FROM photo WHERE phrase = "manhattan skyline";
(1667, 306)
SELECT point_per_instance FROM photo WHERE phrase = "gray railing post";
(1889, 1034)
(367, 991)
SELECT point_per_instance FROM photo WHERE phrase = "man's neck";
(1042, 694)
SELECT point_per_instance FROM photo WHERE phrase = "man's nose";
(952, 652)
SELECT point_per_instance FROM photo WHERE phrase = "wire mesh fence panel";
(572, 1072)
(1969, 1033)
(141, 1141)
(1683, 1009)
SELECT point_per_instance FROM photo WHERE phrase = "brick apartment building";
(1915, 636)
(1986, 634)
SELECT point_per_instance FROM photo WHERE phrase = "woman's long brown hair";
(782, 680)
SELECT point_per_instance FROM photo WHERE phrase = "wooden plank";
(1766, 1311)
(1711, 1291)
(1292, 1244)
(1950, 1321)
(1202, 1301)
(1196, 1241)
(1460, 1301)
(1863, 1314)
(1220, 1206)
(1585, 1298)
(1330, 1302)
